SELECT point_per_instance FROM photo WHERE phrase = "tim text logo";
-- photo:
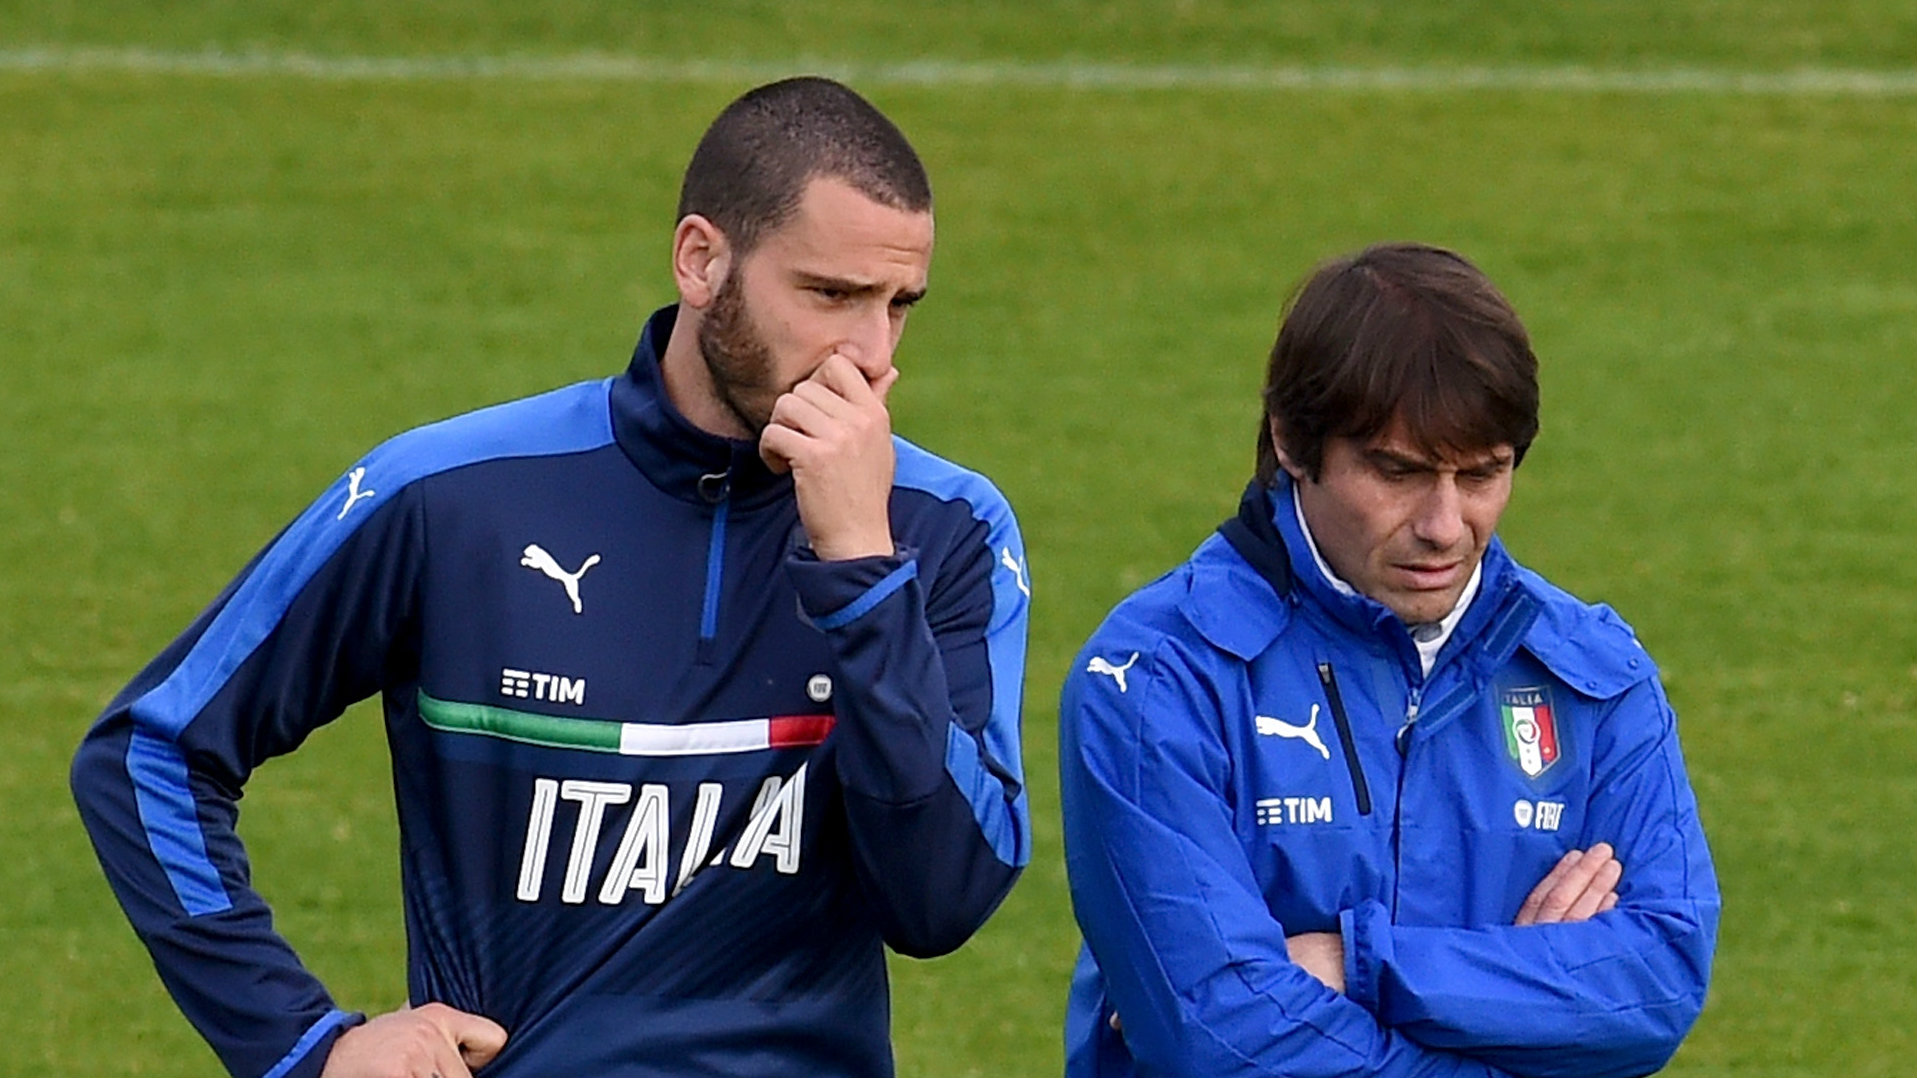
(527, 685)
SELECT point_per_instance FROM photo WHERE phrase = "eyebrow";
(856, 288)
(1381, 455)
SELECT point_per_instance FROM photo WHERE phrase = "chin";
(1425, 610)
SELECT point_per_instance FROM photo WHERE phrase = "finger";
(817, 411)
(778, 445)
(1533, 902)
(1566, 892)
(844, 377)
(435, 1052)
(808, 409)
(473, 1039)
(1609, 903)
(1117, 1026)
(1604, 883)
(836, 406)
(479, 1037)
(448, 1063)
(882, 385)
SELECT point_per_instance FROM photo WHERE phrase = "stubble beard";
(737, 359)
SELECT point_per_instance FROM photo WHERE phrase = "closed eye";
(1486, 472)
(1392, 466)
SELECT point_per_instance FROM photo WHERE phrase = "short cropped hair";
(1398, 331)
(754, 162)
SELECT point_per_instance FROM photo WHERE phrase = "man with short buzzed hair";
(1351, 791)
(702, 688)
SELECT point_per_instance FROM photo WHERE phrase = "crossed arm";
(1580, 886)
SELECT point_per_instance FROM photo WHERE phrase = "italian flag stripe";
(626, 738)
(786, 731)
(1547, 733)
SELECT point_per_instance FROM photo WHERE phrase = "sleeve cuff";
(307, 1058)
(1367, 938)
(836, 593)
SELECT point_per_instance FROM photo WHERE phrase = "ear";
(1291, 467)
(701, 258)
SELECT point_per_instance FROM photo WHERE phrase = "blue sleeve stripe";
(326, 1024)
(172, 823)
(1006, 828)
(873, 596)
(569, 420)
(1009, 828)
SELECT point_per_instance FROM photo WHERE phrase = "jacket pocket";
(1360, 790)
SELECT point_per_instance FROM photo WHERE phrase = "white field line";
(1064, 75)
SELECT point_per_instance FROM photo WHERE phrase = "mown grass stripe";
(605, 67)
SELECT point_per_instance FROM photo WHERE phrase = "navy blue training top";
(666, 781)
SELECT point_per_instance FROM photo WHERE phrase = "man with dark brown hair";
(1352, 792)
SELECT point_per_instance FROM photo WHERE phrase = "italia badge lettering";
(1530, 729)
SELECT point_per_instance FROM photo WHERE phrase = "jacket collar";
(678, 457)
(1241, 590)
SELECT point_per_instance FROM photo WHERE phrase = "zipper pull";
(1403, 738)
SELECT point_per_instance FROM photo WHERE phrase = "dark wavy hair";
(1398, 331)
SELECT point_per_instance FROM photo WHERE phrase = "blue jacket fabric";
(666, 781)
(1249, 754)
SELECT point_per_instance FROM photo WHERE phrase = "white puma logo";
(353, 493)
(1308, 733)
(535, 557)
(1098, 665)
(1018, 570)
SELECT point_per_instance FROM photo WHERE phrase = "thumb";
(479, 1038)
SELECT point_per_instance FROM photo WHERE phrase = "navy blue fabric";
(1202, 828)
(717, 912)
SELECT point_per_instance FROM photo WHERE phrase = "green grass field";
(218, 285)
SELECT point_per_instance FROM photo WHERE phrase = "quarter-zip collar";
(679, 458)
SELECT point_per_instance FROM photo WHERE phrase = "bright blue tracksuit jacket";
(1249, 754)
(666, 782)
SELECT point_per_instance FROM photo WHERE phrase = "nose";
(870, 341)
(1440, 519)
